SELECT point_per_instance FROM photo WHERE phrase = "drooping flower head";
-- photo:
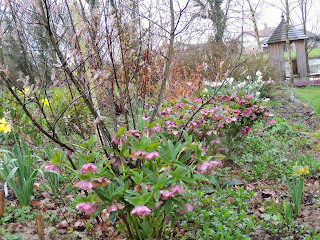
(245, 131)
(152, 155)
(84, 185)
(165, 194)
(176, 189)
(88, 167)
(271, 122)
(189, 208)
(141, 211)
(51, 167)
(87, 208)
(100, 182)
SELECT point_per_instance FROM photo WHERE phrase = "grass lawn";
(310, 95)
(315, 53)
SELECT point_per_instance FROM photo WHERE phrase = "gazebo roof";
(279, 34)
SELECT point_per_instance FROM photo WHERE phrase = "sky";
(272, 15)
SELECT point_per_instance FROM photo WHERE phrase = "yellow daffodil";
(26, 91)
(303, 171)
(45, 102)
(4, 126)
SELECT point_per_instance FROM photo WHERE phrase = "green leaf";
(232, 182)
(113, 217)
(162, 180)
(146, 228)
(137, 178)
(140, 124)
(98, 211)
(138, 201)
(121, 131)
(200, 177)
(102, 195)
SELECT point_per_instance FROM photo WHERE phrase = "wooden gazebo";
(276, 45)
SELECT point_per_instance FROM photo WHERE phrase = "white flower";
(241, 85)
(216, 84)
(266, 100)
(206, 90)
(250, 87)
(230, 80)
(259, 74)
(189, 84)
(258, 94)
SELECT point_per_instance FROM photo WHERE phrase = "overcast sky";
(272, 15)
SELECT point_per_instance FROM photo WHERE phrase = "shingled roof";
(279, 34)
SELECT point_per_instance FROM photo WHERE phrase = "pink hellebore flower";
(178, 105)
(134, 133)
(220, 149)
(197, 100)
(236, 112)
(245, 131)
(100, 182)
(139, 154)
(220, 125)
(189, 208)
(88, 209)
(271, 122)
(176, 189)
(152, 155)
(88, 167)
(149, 132)
(68, 153)
(246, 112)
(138, 188)
(204, 167)
(84, 185)
(115, 206)
(165, 194)
(51, 167)
(147, 106)
(145, 117)
(170, 124)
(174, 132)
(217, 164)
(243, 101)
(141, 211)
(227, 120)
(158, 204)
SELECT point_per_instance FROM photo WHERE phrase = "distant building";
(250, 41)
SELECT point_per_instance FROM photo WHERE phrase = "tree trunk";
(168, 64)
(254, 20)
(288, 42)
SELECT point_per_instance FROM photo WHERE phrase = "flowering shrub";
(218, 126)
(150, 186)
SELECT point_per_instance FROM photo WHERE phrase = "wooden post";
(301, 58)
(1, 202)
(276, 59)
(40, 227)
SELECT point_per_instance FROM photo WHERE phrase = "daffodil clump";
(4, 126)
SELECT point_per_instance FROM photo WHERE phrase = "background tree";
(214, 11)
